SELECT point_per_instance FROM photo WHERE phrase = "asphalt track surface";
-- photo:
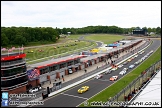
(71, 98)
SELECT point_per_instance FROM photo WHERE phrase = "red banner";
(13, 57)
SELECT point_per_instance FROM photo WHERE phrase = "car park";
(98, 76)
(131, 66)
(114, 78)
(83, 89)
(121, 65)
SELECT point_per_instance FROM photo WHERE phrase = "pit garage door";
(43, 78)
(62, 73)
(53, 75)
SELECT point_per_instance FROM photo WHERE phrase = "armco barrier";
(85, 79)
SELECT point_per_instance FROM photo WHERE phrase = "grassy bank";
(106, 38)
(122, 83)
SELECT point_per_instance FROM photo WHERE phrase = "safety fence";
(131, 90)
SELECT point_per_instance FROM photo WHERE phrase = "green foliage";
(4, 40)
(25, 35)
(106, 38)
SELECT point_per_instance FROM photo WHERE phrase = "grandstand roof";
(56, 61)
(91, 57)
(150, 94)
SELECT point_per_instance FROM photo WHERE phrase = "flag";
(22, 48)
(9, 50)
(19, 50)
(3, 49)
(13, 48)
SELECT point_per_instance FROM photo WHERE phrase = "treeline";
(107, 29)
(25, 35)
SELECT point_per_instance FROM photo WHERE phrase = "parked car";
(70, 71)
(122, 72)
(131, 66)
(83, 89)
(125, 63)
(136, 63)
(98, 76)
(125, 69)
(129, 60)
(35, 89)
(114, 78)
(114, 69)
(146, 56)
(136, 56)
(143, 58)
(141, 52)
(151, 51)
(133, 58)
(108, 71)
(120, 66)
(140, 60)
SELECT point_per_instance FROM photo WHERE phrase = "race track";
(71, 98)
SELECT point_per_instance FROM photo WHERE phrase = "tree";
(149, 30)
(4, 40)
(19, 40)
(158, 30)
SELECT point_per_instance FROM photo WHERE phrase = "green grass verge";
(64, 54)
(74, 36)
(106, 38)
(122, 83)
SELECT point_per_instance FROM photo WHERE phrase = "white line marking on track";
(104, 79)
(74, 96)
